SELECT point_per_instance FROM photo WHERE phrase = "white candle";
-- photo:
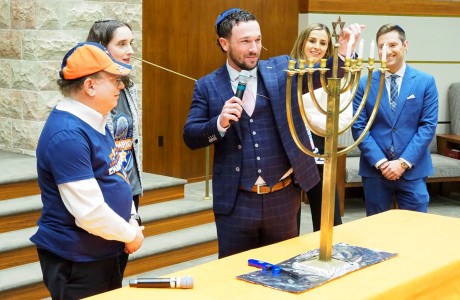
(348, 53)
(350, 44)
(384, 52)
(361, 47)
(371, 52)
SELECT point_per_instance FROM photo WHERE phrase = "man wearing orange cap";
(88, 218)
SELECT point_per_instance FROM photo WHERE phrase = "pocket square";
(411, 97)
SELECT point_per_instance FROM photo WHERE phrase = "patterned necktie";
(249, 101)
(393, 92)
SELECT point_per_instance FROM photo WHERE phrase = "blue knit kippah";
(223, 15)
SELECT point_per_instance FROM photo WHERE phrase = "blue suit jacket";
(200, 130)
(410, 128)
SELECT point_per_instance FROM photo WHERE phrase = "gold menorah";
(334, 87)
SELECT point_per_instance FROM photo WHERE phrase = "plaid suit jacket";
(200, 130)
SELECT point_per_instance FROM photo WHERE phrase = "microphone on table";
(243, 80)
(174, 282)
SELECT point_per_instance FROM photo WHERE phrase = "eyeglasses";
(118, 80)
(103, 21)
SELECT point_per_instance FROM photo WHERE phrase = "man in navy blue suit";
(395, 158)
(258, 170)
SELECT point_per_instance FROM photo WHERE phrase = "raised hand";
(353, 29)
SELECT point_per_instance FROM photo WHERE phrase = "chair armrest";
(446, 142)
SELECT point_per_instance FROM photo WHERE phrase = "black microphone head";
(184, 282)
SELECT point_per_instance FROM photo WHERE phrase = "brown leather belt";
(265, 189)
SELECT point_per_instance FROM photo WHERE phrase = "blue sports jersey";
(70, 150)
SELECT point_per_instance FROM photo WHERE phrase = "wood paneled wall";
(439, 8)
(179, 35)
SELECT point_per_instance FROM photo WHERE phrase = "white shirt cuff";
(221, 129)
(380, 162)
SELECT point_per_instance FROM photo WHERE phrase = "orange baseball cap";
(88, 58)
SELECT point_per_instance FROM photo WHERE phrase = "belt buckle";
(259, 192)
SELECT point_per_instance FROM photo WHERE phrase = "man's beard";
(242, 65)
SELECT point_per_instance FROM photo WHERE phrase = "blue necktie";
(393, 92)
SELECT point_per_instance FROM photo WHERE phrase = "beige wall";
(433, 47)
(35, 35)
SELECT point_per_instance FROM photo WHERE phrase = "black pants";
(68, 280)
(315, 196)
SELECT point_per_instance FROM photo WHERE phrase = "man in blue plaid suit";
(258, 170)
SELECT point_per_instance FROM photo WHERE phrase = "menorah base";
(314, 272)
(331, 269)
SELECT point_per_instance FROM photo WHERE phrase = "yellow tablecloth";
(427, 265)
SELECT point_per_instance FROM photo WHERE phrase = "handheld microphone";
(174, 282)
(243, 80)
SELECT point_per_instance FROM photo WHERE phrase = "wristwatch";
(137, 218)
(404, 165)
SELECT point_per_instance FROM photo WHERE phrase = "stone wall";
(35, 35)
